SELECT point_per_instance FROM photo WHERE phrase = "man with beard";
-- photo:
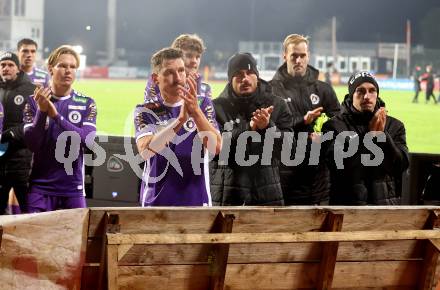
(59, 123)
(372, 174)
(15, 164)
(308, 99)
(246, 106)
(27, 52)
(167, 131)
(192, 47)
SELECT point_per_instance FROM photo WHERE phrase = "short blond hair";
(189, 42)
(295, 39)
(63, 49)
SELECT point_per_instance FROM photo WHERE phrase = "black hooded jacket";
(258, 184)
(304, 184)
(298, 93)
(356, 183)
(14, 96)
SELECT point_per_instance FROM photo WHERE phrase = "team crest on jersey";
(18, 100)
(75, 117)
(314, 98)
(189, 125)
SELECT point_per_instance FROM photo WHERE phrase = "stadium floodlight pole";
(334, 47)
(408, 47)
(396, 56)
(111, 31)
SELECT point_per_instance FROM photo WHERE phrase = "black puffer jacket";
(357, 184)
(258, 184)
(304, 184)
(14, 96)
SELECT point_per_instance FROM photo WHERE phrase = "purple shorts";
(38, 202)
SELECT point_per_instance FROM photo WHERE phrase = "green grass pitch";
(116, 100)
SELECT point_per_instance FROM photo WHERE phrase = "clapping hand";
(378, 121)
(42, 98)
(260, 118)
(312, 115)
(190, 97)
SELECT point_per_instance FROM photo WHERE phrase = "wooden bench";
(263, 248)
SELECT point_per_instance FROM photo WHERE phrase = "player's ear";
(50, 70)
(154, 77)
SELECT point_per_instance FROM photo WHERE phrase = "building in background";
(351, 56)
(21, 19)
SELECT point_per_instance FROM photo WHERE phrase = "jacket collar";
(21, 77)
(283, 76)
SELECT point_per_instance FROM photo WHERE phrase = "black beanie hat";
(359, 78)
(239, 61)
(10, 56)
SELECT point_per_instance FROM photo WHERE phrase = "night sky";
(145, 26)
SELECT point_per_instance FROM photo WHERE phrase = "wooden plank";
(111, 225)
(429, 266)
(378, 288)
(356, 275)
(379, 275)
(394, 250)
(330, 253)
(349, 275)
(431, 255)
(199, 220)
(234, 238)
(279, 253)
(112, 267)
(219, 256)
(94, 248)
(157, 221)
(272, 276)
(88, 277)
(189, 277)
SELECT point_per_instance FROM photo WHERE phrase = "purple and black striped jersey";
(39, 76)
(151, 92)
(169, 178)
(76, 118)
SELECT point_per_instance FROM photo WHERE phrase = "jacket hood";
(310, 77)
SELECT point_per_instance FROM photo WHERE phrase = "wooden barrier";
(263, 248)
(43, 250)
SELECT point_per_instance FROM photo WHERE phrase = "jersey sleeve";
(144, 122)
(208, 91)
(208, 109)
(91, 114)
(34, 121)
